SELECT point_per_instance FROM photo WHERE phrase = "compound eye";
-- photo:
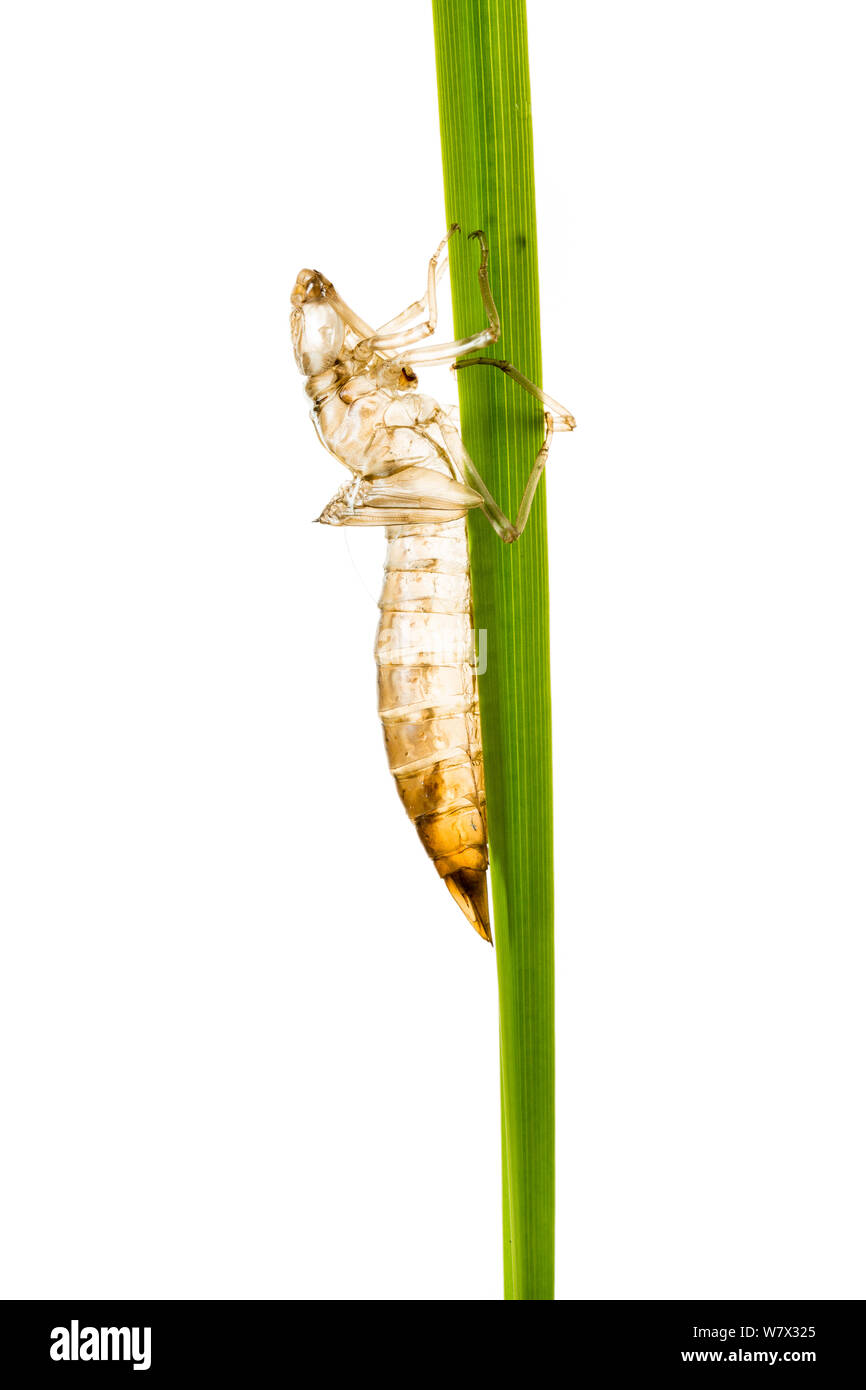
(318, 333)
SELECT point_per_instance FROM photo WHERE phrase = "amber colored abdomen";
(428, 703)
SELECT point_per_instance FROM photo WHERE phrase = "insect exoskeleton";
(412, 475)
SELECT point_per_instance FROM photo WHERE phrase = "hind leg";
(562, 418)
(505, 529)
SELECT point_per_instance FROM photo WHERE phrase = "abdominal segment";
(428, 703)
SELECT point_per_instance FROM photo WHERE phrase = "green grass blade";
(486, 127)
(507, 1260)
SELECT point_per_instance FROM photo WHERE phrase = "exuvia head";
(318, 331)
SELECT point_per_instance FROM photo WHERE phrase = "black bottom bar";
(253, 1343)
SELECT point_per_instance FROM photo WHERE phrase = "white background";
(249, 1046)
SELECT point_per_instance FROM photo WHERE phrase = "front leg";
(395, 333)
(448, 352)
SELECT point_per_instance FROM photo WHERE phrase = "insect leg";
(427, 304)
(447, 352)
(386, 340)
(562, 418)
(505, 529)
